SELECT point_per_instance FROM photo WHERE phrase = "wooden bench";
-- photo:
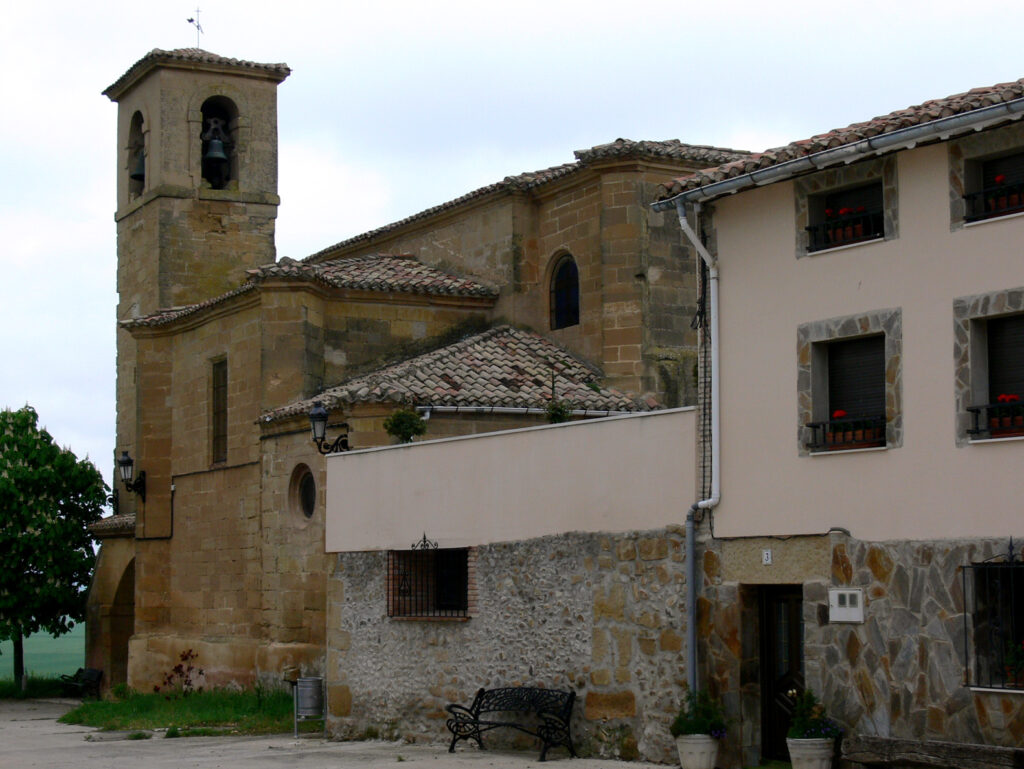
(552, 708)
(84, 683)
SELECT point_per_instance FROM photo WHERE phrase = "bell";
(215, 150)
(138, 173)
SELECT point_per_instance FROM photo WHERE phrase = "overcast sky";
(396, 106)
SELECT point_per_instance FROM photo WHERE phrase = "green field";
(46, 656)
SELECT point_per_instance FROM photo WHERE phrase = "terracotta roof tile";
(502, 367)
(113, 526)
(377, 272)
(187, 56)
(619, 149)
(920, 114)
(171, 314)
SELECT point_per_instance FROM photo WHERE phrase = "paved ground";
(31, 738)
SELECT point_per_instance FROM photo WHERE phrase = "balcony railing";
(997, 420)
(846, 229)
(847, 433)
(994, 201)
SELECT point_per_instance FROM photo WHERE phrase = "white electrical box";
(845, 604)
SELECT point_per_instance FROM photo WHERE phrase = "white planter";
(811, 753)
(697, 751)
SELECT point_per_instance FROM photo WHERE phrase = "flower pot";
(697, 751)
(811, 753)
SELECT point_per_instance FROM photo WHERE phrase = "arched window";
(136, 156)
(219, 142)
(565, 293)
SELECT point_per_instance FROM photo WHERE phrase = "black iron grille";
(428, 583)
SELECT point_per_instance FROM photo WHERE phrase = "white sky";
(397, 106)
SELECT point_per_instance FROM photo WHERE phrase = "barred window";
(428, 582)
(219, 412)
(996, 649)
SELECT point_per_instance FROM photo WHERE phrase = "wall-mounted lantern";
(126, 466)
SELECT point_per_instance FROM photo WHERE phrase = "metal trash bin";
(308, 698)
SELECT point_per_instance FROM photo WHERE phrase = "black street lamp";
(125, 466)
(318, 424)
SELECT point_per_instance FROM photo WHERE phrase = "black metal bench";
(552, 708)
(84, 683)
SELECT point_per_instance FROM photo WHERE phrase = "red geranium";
(1007, 398)
(838, 414)
(1000, 178)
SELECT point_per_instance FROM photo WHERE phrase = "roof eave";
(941, 129)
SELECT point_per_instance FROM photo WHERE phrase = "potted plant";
(698, 728)
(812, 736)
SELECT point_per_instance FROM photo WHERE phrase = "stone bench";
(552, 709)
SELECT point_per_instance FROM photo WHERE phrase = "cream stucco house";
(864, 529)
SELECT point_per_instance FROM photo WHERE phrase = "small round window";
(307, 495)
(302, 492)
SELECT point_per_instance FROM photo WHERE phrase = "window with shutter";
(849, 387)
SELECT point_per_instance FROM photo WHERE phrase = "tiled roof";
(921, 114)
(113, 526)
(171, 314)
(376, 272)
(619, 149)
(699, 154)
(187, 56)
(502, 367)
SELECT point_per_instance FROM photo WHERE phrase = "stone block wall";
(603, 614)
(900, 674)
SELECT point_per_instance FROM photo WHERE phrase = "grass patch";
(38, 687)
(208, 712)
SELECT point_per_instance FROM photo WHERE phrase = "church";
(554, 286)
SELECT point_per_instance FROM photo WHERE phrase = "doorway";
(782, 663)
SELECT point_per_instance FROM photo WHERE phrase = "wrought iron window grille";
(994, 621)
(990, 202)
(428, 582)
(847, 433)
(846, 229)
(996, 420)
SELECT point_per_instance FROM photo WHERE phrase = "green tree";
(47, 498)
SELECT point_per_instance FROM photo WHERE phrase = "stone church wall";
(603, 614)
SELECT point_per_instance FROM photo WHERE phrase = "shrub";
(404, 424)
(700, 714)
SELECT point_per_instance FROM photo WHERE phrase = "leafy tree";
(47, 498)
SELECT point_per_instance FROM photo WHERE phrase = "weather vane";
(195, 22)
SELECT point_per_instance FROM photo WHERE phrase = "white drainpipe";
(716, 452)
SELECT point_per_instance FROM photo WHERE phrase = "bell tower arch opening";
(136, 156)
(219, 139)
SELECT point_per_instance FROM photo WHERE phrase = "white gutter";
(427, 410)
(716, 449)
(901, 138)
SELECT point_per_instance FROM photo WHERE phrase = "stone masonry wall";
(899, 674)
(600, 613)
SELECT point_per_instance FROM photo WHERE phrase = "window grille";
(994, 622)
(428, 582)
(219, 412)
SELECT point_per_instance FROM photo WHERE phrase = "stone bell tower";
(196, 204)
(196, 176)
